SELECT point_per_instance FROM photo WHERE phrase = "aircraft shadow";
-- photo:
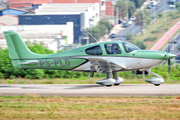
(85, 86)
(100, 86)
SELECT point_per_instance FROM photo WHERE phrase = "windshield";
(128, 47)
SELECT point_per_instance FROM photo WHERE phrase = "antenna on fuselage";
(93, 37)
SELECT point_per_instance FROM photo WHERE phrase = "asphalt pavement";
(89, 90)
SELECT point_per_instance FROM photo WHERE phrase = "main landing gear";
(111, 81)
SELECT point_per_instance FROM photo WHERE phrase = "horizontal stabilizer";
(29, 62)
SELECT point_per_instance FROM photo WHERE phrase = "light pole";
(165, 11)
(127, 9)
(117, 12)
(144, 24)
(58, 38)
(154, 17)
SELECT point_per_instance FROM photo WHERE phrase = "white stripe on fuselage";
(128, 62)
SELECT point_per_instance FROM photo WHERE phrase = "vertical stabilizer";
(17, 48)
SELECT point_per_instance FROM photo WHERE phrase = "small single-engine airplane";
(105, 57)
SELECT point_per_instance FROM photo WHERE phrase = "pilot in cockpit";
(115, 49)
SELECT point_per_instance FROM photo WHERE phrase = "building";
(89, 12)
(36, 3)
(43, 33)
(13, 11)
(27, 3)
(9, 19)
(55, 13)
(54, 20)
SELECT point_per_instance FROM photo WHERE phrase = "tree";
(142, 17)
(94, 32)
(141, 44)
(179, 48)
(38, 48)
(8, 71)
(130, 36)
(177, 5)
(138, 3)
(123, 6)
(103, 27)
(131, 8)
(106, 23)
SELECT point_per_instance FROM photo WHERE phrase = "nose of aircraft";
(170, 56)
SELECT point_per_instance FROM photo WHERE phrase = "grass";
(161, 27)
(76, 81)
(51, 108)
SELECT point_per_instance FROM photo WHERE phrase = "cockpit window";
(96, 50)
(112, 48)
(129, 47)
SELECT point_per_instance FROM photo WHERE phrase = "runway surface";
(89, 90)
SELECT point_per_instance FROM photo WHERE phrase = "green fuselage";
(127, 55)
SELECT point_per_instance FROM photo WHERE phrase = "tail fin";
(17, 48)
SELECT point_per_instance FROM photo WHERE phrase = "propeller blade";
(168, 57)
(169, 62)
(169, 67)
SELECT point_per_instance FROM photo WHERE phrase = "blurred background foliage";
(98, 31)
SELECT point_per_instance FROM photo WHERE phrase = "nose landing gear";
(156, 81)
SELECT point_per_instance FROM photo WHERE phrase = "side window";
(112, 48)
(96, 50)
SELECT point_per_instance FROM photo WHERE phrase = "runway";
(89, 90)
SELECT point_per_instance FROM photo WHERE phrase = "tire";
(116, 84)
(156, 84)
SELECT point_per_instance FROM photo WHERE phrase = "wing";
(103, 64)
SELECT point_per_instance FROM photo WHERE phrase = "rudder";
(17, 48)
(12, 50)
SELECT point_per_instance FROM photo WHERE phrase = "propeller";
(168, 57)
(169, 61)
(169, 67)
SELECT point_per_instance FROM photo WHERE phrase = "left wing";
(103, 64)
